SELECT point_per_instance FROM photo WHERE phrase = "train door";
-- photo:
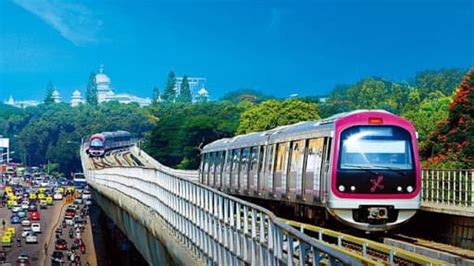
(325, 170)
(220, 159)
(270, 161)
(296, 167)
(279, 176)
(311, 180)
(228, 168)
(261, 169)
(244, 169)
(205, 169)
(235, 170)
(253, 169)
(210, 179)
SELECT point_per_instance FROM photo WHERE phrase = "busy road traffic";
(45, 223)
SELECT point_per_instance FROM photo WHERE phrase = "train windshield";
(96, 143)
(376, 147)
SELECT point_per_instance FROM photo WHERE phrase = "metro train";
(361, 167)
(103, 142)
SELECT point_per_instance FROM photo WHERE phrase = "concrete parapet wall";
(144, 228)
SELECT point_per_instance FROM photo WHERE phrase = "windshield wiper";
(396, 169)
(362, 168)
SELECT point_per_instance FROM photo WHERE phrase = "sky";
(278, 47)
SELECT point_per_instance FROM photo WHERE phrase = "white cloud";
(74, 21)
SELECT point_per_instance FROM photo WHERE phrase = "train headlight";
(399, 189)
(342, 188)
(353, 188)
(410, 189)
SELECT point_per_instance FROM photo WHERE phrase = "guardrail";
(217, 227)
(448, 187)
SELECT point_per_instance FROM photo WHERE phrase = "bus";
(79, 180)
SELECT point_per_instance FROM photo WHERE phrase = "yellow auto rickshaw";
(6, 241)
(49, 200)
(12, 230)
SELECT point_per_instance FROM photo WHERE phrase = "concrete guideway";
(207, 222)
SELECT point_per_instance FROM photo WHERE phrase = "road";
(50, 218)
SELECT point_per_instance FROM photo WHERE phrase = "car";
(49, 200)
(15, 219)
(32, 207)
(25, 222)
(43, 204)
(57, 196)
(57, 258)
(78, 201)
(73, 207)
(23, 260)
(25, 204)
(60, 244)
(6, 241)
(12, 230)
(26, 231)
(88, 202)
(11, 204)
(31, 237)
(21, 214)
(33, 196)
(86, 194)
(36, 227)
(70, 213)
(69, 221)
(16, 209)
(35, 215)
(44, 183)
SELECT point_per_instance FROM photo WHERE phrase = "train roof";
(301, 130)
(113, 134)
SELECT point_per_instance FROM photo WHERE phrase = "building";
(195, 84)
(76, 98)
(56, 96)
(105, 92)
(21, 104)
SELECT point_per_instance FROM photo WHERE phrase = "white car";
(31, 238)
(25, 222)
(36, 227)
(16, 209)
(86, 194)
(24, 205)
(88, 202)
(73, 206)
(69, 221)
(44, 184)
(58, 196)
(26, 231)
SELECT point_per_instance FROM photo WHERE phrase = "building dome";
(55, 93)
(76, 93)
(101, 77)
(202, 92)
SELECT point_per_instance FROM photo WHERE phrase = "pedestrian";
(3, 224)
(45, 248)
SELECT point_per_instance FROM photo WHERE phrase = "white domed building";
(76, 98)
(104, 91)
(56, 96)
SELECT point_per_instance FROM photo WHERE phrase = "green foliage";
(48, 99)
(431, 111)
(451, 144)
(169, 94)
(272, 113)
(185, 92)
(53, 132)
(443, 80)
(91, 90)
(245, 95)
(183, 129)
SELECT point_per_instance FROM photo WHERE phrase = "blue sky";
(278, 47)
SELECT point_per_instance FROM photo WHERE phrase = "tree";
(444, 80)
(49, 93)
(430, 112)
(156, 95)
(185, 91)
(272, 113)
(169, 94)
(91, 90)
(245, 95)
(451, 145)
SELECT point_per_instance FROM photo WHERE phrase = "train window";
(313, 166)
(244, 167)
(212, 161)
(253, 158)
(281, 156)
(205, 172)
(269, 164)
(218, 169)
(279, 182)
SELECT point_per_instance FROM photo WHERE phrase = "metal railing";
(448, 187)
(217, 227)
